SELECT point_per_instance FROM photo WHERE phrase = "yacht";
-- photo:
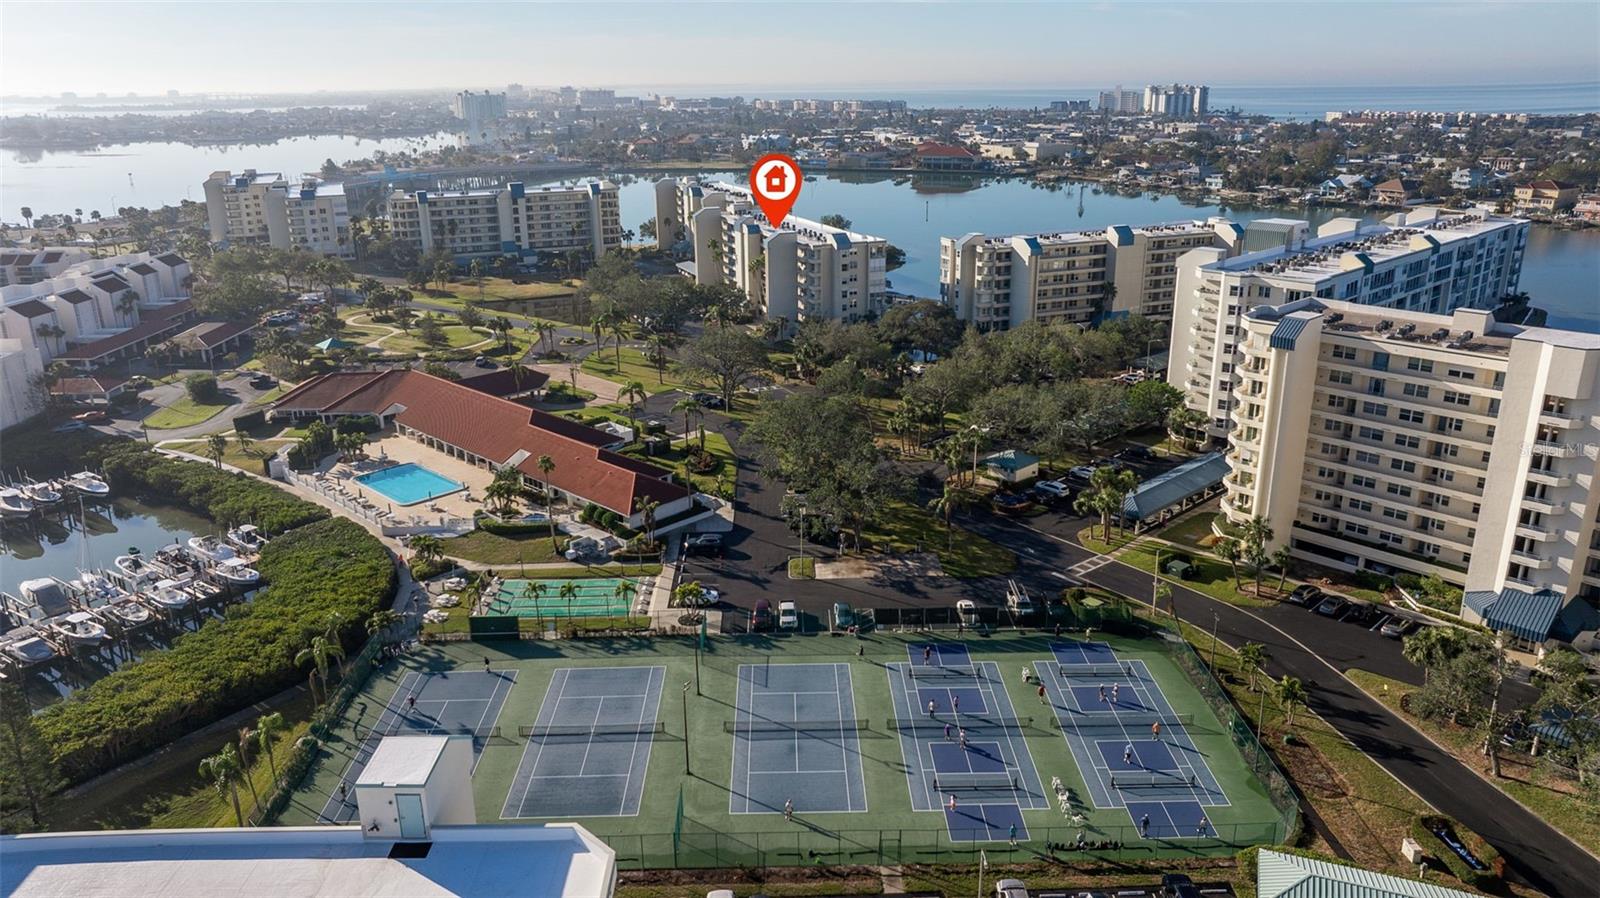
(169, 595)
(174, 562)
(211, 548)
(235, 572)
(248, 538)
(126, 612)
(133, 572)
(41, 598)
(42, 494)
(14, 506)
(25, 648)
(89, 484)
(79, 630)
(100, 592)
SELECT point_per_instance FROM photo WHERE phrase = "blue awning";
(1165, 490)
(1529, 615)
(1287, 331)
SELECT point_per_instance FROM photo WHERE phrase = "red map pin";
(775, 181)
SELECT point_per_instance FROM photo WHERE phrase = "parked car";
(1176, 885)
(1363, 613)
(843, 617)
(967, 612)
(93, 416)
(703, 544)
(1053, 490)
(761, 618)
(1306, 595)
(1397, 627)
(1011, 503)
(1081, 472)
(1138, 453)
(788, 617)
(1331, 606)
(1010, 888)
(263, 381)
(483, 361)
(69, 427)
(708, 400)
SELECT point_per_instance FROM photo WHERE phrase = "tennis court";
(795, 740)
(1134, 749)
(464, 702)
(961, 743)
(586, 597)
(589, 748)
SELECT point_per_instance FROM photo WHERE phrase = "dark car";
(1332, 606)
(707, 400)
(1176, 885)
(1139, 453)
(1363, 613)
(703, 544)
(761, 618)
(1305, 595)
(263, 381)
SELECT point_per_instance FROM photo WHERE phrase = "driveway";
(237, 390)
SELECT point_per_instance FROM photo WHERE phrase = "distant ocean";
(1278, 102)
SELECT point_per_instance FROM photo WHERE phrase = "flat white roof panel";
(403, 760)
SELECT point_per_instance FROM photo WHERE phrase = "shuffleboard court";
(795, 741)
(464, 702)
(589, 748)
(968, 749)
(1159, 776)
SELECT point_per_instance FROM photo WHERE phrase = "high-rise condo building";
(509, 219)
(802, 271)
(997, 283)
(1125, 102)
(1177, 100)
(1392, 440)
(266, 209)
(477, 109)
(1424, 260)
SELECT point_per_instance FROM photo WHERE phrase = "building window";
(1423, 365)
(1407, 441)
(1346, 353)
(1416, 390)
(1400, 464)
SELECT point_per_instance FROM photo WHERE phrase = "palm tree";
(268, 726)
(569, 592)
(1251, 656)
(658, 348)
(502, 327)
(688, 407)
(1255, 534)
(1182, 423)
(1291, 695)
(1117, 484)
(1280, 560)
(426, 549)
(247, 738)
(216, 445)
(503, 489)
(244, 440)
(647, 510)
(619, 330)
(1229, 550)
(546, 465)
(382, 621)
(1431, 647)
(223, 770)
(954, 499)
(320, 654)
(625, 592)
(633, 393)
(477, 271)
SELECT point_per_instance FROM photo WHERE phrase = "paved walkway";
(604, 390)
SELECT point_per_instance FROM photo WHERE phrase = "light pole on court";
(685, 729)
(1215, 620)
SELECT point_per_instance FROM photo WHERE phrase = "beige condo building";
(266, 209)
(1077, 277)
(509, 219)
(1399, 441)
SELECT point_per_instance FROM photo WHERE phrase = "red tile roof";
(87, 386)
(506, 381)
(498, 430)
(321, 392)
(934, 148)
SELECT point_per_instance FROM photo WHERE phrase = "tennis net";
(405, 728)
(988, 779)
(1151, 780)
(762, 725)
(1119, 669)
(1124, 720)
(937, 671)
(600, 729)
(970, 723)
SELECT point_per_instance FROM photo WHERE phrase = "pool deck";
(400, 449)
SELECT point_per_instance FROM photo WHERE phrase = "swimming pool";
(409, 483)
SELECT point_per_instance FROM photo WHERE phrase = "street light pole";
(1261, 713)
(686, 729)
(1215, 620)
(1155, 582)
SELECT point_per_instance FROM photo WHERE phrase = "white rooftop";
(404, 760)
(557, 859)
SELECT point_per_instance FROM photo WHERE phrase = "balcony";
(1559, 450)
(1531, 532)
(1530, 560)
(1561, 419)
(1544, 506)
(1549, 478)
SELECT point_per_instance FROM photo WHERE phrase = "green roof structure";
(1280, 875)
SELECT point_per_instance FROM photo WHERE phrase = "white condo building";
(1393, 440)
(266, 209)
(511, 219)
(803, 271)
(1424, 260)
(997, 283)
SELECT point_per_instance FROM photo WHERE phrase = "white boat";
(42, 494)
(169, 595)
(89, 484)
(80, 629)
(43, 597)
(95, 589)
(133, 567)
(248, 538)
(26, 647)
(174, 562)
(14, 506)
(127, 612)
(235, 572)
(211, 548)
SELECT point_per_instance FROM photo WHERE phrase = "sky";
(149, 48)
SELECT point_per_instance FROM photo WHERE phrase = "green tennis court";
(589, 597)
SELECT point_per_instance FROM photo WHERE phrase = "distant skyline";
(294, 46)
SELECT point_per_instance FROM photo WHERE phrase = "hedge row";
(225, 497)
(331, 567)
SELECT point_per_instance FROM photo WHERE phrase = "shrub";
(225, 497)
(428, 570)
(316, 571)
(513, 528)
(201, 387)
(250, 421)
(356, 424)
(1486, 880)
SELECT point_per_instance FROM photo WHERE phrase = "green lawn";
(183, 413)
(490, 548)
(1192, 530)
(1212, 577)
(248, 460)
(802, 567)
(1556, 799)
(902, 527)
(603, 363)
(673, 458)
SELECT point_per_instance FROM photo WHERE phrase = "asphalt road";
(1302, 644)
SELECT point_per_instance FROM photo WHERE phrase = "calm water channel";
(54, 545)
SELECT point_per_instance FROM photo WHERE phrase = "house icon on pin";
(776, 183)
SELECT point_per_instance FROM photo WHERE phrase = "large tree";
(727, 357)
(27, 774)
